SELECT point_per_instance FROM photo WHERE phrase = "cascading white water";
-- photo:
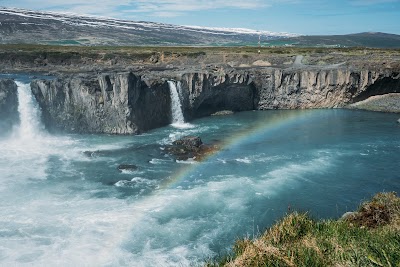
(176, 107)
(178, 121)
(29, 113)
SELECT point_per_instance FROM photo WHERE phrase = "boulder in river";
(190, 143)
(223, 113)
(190, 147)
(127, 167)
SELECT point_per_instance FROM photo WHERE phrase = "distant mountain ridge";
(37, 27)
(20, 26)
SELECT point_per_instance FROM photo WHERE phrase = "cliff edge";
(130, 103)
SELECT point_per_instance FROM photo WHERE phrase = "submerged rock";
(190, 147)
(94, 154)
(127, 167)
(223, 113)
(398, 120)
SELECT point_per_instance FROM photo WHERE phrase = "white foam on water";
(129, 171)
(159, 161)
(188, 161)
(299, 171)
(168, 233)
(172, 227)
(64, 224)
(43, 224)
(223, 161)
(244, 160)
(184, 125)
(51, 230)
(24, 155)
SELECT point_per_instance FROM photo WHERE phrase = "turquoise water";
(61, 207)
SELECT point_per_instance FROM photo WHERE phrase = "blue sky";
(295, 16)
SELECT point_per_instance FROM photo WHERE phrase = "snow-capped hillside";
(27, 26)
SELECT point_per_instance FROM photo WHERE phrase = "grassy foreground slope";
(368, 237)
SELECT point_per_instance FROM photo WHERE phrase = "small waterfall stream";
(178, 120)
(176, 106)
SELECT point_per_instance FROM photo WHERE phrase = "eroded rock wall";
(108, 103)
(126, 103)
(206, 93)
(8, 106)
(274, 88)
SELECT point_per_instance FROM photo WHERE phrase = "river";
(63, 201)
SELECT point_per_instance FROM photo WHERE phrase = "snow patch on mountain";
(96, 21)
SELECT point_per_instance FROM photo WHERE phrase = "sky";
(323, 17)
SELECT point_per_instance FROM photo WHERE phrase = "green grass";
(369, 237)
(185, 49)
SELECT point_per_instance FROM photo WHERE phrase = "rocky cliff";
(275, 88)
(8, 105)
(325, 88)
(127, 103)
(108, 103)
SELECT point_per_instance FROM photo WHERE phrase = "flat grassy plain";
(189, 49)
(55, 58)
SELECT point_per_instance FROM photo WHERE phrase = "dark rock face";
(125, 103)
(216, 90)
(189, 142)
(8, 105)
(109, 103)
(190, 147)
(317, 88)
(127, 167)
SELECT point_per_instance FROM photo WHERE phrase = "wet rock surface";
(127, 167)
(8, 105)
(131, 103)
(108, 103)
(190, 147)
(223, 113)
(131, 95)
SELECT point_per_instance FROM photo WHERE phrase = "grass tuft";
(383, 209)
(369, 237)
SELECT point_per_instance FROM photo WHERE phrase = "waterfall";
(29, 113)
(176, 107)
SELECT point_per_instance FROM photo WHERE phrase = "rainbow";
(261, 128)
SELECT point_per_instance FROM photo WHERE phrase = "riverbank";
(368, 237)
